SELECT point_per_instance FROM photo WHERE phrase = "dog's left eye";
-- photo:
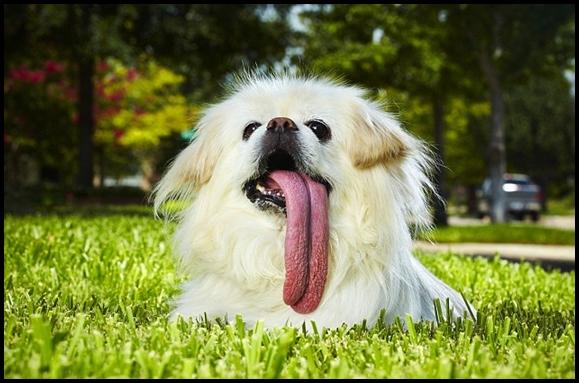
(320, 129)
(249, 129)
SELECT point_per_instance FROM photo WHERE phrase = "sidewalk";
(559, 256)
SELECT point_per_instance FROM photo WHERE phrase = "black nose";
(281, 125)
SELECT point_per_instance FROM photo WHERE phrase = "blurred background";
(99, 98)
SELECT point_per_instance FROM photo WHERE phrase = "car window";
(517, 182)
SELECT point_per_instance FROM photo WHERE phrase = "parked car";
(523, 197)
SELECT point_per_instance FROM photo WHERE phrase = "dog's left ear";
(380, 141)
(378, 137)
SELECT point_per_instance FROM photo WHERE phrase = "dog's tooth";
(260, 188)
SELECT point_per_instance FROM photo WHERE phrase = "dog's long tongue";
(306, 241)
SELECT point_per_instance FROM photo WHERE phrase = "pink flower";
(118, 134)
(110, 112)
(53, 67)
(132, 74)
(25, 75)
(102, 66)
(19, 74)
(116, 96)
(140, 111)
(36, 77)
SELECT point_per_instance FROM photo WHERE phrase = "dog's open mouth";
(263, 191)
(284, 188)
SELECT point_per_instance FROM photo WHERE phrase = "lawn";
(86, 295)
(563, 206)
(501, 233)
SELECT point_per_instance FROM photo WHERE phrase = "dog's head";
(297, 148)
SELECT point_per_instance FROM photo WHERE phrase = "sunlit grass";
(501, 233)
(88, 296)
(563, 206)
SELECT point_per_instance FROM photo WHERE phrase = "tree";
(540, 132)
(396, 47)
(507, 43)
(38, 104)
(438, 53)
(75, 34)
(138, 108)
(201, 42)
(207, 42)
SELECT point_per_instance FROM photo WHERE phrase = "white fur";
(233, 252)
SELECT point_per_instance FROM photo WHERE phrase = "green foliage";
(380, 45)
(465, 139)
(136, 108)
(205, 43)
(37, 118)
(87, 295)
(540, 132)
(563, 206)
(413, 54)
(147, 105)
(501, 233)
(191, 48)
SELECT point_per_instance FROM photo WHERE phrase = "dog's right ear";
(193, 167)
(378, 138)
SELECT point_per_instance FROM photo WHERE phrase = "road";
(562, 257)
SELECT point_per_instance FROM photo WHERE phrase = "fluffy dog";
(303, 193)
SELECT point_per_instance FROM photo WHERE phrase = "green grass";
(88, 295)
(501, 233)
(563, 206)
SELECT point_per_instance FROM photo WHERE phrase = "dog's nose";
(281, 125)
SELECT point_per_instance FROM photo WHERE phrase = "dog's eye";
(249, 129)
(320, 129)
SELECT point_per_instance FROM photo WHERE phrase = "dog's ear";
(378, 137)
(194, 166)
(380, 141)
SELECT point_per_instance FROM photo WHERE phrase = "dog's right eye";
(249, 129)
(320, 129)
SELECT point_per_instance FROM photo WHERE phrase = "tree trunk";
(101, 166)
(148, 170)
(471, 200)
(540, 177)
(440, 216)
(497, 155)
(85, 106)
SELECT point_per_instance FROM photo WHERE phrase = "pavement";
(561, 257)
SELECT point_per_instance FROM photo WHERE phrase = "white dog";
(303, 193)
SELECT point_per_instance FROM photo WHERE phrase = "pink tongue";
(306, 240)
